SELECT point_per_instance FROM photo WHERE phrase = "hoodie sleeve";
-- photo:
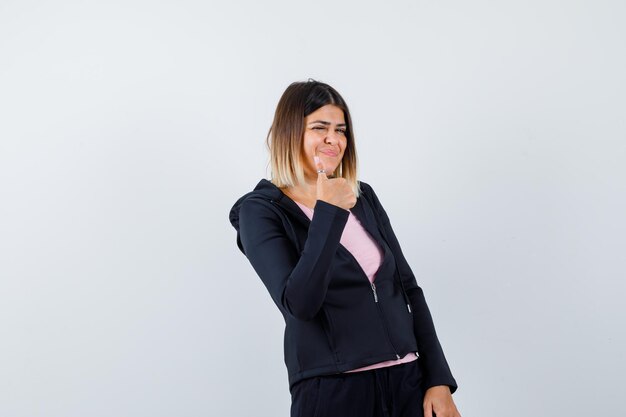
(297, 282)
(430, 350)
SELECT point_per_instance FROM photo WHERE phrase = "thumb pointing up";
(321, 173)
(334, 191)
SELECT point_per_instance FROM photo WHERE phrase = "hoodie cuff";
(331, 208)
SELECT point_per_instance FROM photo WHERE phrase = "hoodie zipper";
(384, 321)
(375, 294)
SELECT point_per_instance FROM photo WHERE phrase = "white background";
(493, 132)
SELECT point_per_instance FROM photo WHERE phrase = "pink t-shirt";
(369, 255)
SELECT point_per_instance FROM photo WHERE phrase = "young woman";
(359, 337)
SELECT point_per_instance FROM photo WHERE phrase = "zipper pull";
(375, 295)
(408, 306)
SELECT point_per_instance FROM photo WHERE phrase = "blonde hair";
(285, 137)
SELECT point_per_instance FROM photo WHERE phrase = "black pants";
(394, 391)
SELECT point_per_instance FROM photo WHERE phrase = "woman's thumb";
(319, 166)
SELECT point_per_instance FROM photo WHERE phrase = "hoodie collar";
(266, 190)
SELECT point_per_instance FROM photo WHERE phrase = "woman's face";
(324, 136)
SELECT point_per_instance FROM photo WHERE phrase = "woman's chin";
(330, 169)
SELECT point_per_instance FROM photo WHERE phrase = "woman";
(359, 338)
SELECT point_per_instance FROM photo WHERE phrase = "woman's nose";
(332, 137)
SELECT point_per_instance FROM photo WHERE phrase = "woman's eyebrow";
(326, 123)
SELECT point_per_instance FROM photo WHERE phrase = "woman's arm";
(429, 348)
(297, 282)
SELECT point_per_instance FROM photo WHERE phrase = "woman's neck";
(305, 193)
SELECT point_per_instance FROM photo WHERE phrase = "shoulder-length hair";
(286, 135)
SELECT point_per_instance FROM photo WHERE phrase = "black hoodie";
(335, 319)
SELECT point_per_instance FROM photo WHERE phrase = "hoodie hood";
(266, 190)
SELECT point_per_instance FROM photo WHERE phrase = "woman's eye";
(342, 131)
(319, 128)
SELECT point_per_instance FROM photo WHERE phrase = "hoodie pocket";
(329, 329)
(398, 317)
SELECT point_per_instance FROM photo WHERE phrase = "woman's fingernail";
(316, 159)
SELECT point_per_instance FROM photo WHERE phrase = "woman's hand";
(335, 191)
(439, 400)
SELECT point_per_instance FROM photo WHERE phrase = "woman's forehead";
(326, 114)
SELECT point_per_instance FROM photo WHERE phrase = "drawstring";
(384, 235)
(406, 297)
(398, 273)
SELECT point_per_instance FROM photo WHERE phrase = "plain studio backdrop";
(493, 132)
